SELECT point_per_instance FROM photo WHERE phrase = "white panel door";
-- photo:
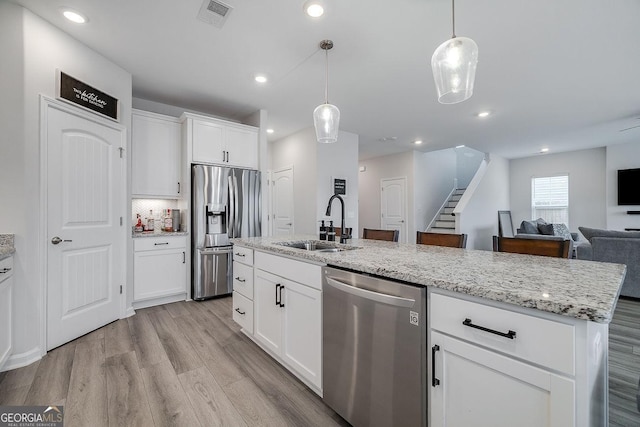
(393, 206)
(282, 202)
(267, 313)
(208, 142)
(478, 387)
(242, 147)
(85, 240)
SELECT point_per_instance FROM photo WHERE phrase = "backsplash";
(144, 206)
(7, 240)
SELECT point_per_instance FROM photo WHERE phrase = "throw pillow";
(546, 229)
(562, 230)
(541, 221)
(590, 233)
(529, 227)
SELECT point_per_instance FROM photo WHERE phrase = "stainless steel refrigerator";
(226, 203)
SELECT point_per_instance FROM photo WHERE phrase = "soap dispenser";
(331, 233)
(323, 231)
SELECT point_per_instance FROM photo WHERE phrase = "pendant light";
(454, 67)
(326, 117)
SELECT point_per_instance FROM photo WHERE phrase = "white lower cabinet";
(6, 309)
(159, 267)
(473, 386)
(288, 323)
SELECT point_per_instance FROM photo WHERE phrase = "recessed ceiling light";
(74, 16)
(459, 146)
(417, 141)
(270, 131)
(388, 138)
(313, 8)
(261, 78)
(483, 114)
(544, 150)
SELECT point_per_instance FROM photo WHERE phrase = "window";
(550, 199)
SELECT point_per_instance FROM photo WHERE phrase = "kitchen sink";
(317, 246)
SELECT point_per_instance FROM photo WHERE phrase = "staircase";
(445, 222)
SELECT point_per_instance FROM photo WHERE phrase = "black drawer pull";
(5, 270)
(160, 244)
(240, 280)
(240, 312)
(511, 334)
(434, 381)
(239, 254)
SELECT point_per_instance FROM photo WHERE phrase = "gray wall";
(434, 177)
(467, 162)
(621, 156)
(586, 170)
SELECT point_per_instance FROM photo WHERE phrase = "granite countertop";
(160, 234)
(580, 289)
(6, 246)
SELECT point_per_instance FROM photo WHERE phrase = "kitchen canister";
(175, 216)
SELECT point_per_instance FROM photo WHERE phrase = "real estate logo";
(31, 416)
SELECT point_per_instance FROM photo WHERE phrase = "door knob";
(57, 240)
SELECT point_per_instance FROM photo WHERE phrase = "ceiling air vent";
(214, 12)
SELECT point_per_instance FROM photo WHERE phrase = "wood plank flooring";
(188, 364)
(182, 364)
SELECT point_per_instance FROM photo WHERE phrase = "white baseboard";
(23, 359)
(158, 301)
(130, 312)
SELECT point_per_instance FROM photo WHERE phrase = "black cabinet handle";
(239, 254)
(239, 279)
(277, 287)
(178, 188)
(281, 288)
(434, 381)
(240, 312)
(511, 334)
(5, 270)
(160, 244)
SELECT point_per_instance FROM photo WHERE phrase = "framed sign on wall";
(339, 186)
(81, 94)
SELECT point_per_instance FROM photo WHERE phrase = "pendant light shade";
(454, 67)
(326, 117)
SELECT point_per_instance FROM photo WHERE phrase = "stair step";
(445, 224)
(455, 197)
(447, 210)
(451, 204)
(446, 217)
(441, 230)
(459, 191)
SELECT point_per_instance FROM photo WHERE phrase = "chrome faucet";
(343, 233)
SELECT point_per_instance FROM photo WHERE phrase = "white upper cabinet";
(215, 141)
(156, 160)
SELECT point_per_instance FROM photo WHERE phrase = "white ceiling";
(558, 74)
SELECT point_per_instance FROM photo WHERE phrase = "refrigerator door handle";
(236, 220)
(231, 210)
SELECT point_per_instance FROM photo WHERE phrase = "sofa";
(540, 229)
(621, 247)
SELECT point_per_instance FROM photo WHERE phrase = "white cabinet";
(156, 155)
(288, 323)
(6, 307)
(215, 141)
(496, 367)
(159, 267)
(243, 288)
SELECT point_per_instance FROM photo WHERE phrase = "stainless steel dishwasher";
(374, 349)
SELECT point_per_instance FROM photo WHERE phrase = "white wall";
(480, 216)
(392, 166)
(622, 156)
(434, 175)
(467, 162)
(586, 170)
(338, 160)
(299, 150)
(41, 49)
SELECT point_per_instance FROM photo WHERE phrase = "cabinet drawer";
(243, 312)
(298, 271)
(6, 268)
(158, 243)
(243, 279)
(243, 255)
(541, 341)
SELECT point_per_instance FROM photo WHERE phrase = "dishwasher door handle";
(371, 295)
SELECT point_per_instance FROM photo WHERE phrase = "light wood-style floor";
(182, 364)
(188, 364)
(624, 364)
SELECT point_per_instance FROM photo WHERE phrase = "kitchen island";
(560, 309)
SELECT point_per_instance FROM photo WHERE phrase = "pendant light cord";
(326, 86)
(453, 17)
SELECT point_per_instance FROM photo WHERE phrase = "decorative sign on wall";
(80, 93)
(339, 186)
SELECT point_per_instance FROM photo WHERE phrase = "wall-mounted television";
(629, 187)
